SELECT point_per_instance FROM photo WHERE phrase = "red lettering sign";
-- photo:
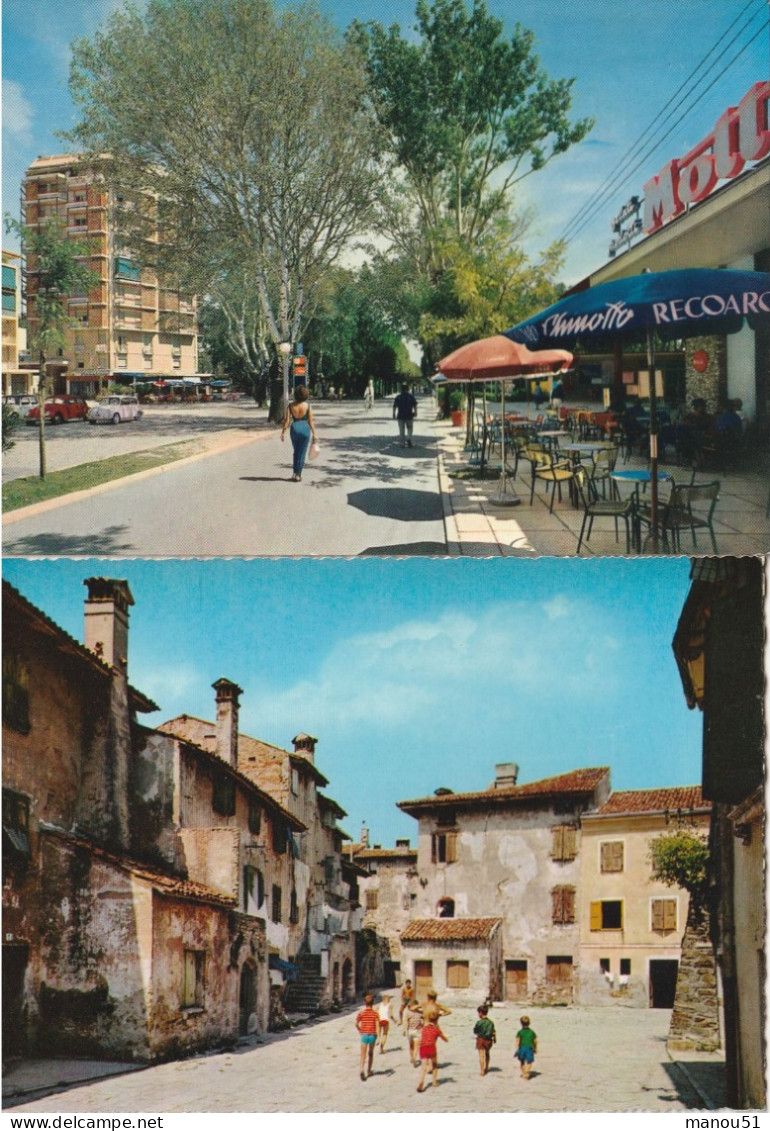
(741, 134)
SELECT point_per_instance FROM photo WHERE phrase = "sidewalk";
(478, 527)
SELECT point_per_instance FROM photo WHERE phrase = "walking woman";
(299, 421)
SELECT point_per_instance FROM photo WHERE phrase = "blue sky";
(629, 59)
(414, 674)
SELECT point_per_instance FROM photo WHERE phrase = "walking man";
(405, 411)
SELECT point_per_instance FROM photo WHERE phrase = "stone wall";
(711, 384)
(695, 1017)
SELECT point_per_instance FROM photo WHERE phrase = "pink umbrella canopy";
(495, 358)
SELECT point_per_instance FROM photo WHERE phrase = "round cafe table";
(639, 475)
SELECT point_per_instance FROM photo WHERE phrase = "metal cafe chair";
(688, 508)
(594, 507)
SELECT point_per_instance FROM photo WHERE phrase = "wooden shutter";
(669, 914)
(564, 842)
(596, 914)
(612, 856)
(557, 849)
(568, 904)
(557, 909)
(451, 847)
(457, 975)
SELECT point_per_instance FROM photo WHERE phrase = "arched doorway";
(247, 1002)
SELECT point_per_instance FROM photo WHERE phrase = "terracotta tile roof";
(450, 930)
(687, 797)
(69, 644)
(385, 853)
(160, 881)
(575, 782)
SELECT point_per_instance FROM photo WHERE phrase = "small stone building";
(459, 958)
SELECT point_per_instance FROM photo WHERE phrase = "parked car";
(59, 409)
(20, 403)
(115, 408)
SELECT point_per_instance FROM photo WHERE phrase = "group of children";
(420, 1024)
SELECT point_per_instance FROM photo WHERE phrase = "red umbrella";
(496, 358)
(493, 358)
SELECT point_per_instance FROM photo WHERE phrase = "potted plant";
(457, 407)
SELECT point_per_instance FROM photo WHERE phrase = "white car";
(20, 403)
(114, 409)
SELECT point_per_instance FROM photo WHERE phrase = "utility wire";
(611, 182)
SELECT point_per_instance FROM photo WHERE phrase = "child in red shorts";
(429, 1034)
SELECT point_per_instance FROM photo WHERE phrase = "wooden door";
(516, 979)
(423, 978)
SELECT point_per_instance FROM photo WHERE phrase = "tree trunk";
(41, 397)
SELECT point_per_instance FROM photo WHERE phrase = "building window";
(625, 967)
(223, 799)
(293, 908)
(444, 848)
(193, 988)
(563, 904)
(446, 908)
(611, 856)
(564, 842)
(15, 824)
(295, 781)
(458, 975)
(253, 890)
(558, 970)
(15, 693)
(255, 816)
(279, 836)
(275, 909)
(607, 915)
(664, 915)
(372, 900)
(604, 965)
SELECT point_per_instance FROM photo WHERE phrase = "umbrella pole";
(483, 428)
(505, 496)
(653, 442)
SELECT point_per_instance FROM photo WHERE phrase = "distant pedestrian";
(407, 997)
(429, 1034)
(299, 421)
(484, 1032)
(383, 1010)
(369, 396)
(413, 1024)
(405, 411)
(539, 397)
(368, 1025)
(526, 1047)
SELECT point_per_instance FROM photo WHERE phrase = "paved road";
(608, 1060)
(364, 495)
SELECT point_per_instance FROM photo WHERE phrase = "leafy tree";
(234, 332)
(55, 268)
(467, 115)
(681, 859)
(245, 129)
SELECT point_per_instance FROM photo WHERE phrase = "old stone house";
(720, 646)
(142, 875)
(631, 926)
(510, 854)
(388, 890)
(318, 935)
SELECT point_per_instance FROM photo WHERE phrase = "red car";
(59, 409)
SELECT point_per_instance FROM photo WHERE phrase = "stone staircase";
(304, 994)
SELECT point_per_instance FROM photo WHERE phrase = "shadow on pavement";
(406, 550)
(88, 544)
(704, 1077)
(402, 503)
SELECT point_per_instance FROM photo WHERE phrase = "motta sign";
(741, 134)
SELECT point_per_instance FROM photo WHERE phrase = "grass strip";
(25, 492)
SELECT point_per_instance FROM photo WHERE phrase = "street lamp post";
(284, 349)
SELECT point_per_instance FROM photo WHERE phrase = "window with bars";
(611, 856)
(563, 904)
(444, 848)
(664, 917)
(564, 845)
(458, 975)
(372, 900)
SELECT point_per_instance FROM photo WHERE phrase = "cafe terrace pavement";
(364, 495)
(589, 1060)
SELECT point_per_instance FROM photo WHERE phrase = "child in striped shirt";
(368, 1025)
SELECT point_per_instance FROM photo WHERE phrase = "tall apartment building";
(15, 380)
(129, 327)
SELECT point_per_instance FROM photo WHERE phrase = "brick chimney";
(106, 632)
(104, 804)
(506, 774)
(305, 745)
(227, 720)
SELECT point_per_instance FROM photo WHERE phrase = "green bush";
(11, 421)
(457, 400)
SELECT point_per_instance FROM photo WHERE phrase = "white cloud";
(18, 115)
